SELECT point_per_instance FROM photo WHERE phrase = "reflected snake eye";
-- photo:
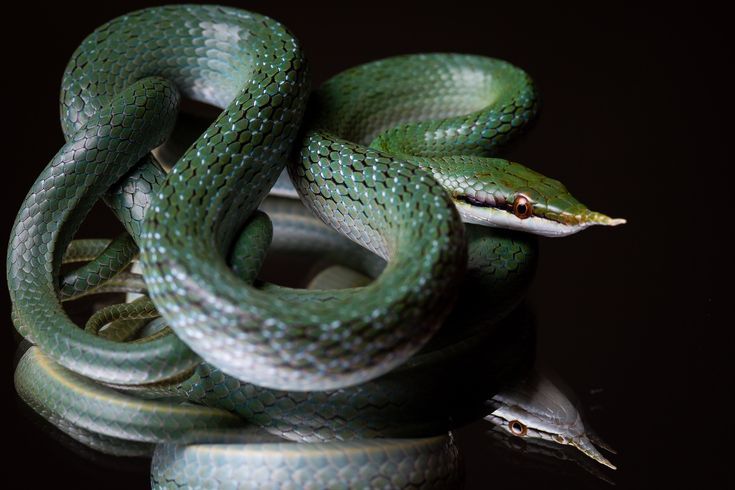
(517, 428)
(522, 207)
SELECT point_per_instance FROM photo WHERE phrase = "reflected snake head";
(537, 408)
(504, 194)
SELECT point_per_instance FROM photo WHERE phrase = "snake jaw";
(549, 224)
(585, 445)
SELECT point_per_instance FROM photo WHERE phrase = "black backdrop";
(633, 122)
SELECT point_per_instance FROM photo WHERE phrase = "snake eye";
(517, 428)
(522, 207)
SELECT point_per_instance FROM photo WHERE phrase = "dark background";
(635, 101)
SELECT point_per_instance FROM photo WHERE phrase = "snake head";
(504, 194)
(537, 408)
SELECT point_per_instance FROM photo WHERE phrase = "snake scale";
(394, 155)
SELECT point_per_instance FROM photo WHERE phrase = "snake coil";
(389, 153)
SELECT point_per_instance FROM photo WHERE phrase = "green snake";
(394, 155)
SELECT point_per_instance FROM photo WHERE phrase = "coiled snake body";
(389, 154)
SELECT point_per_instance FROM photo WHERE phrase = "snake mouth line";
(493, 203)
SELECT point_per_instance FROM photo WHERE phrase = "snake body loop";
(100, 150)
(260, 337)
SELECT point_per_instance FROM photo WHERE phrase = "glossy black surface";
(635, 102)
